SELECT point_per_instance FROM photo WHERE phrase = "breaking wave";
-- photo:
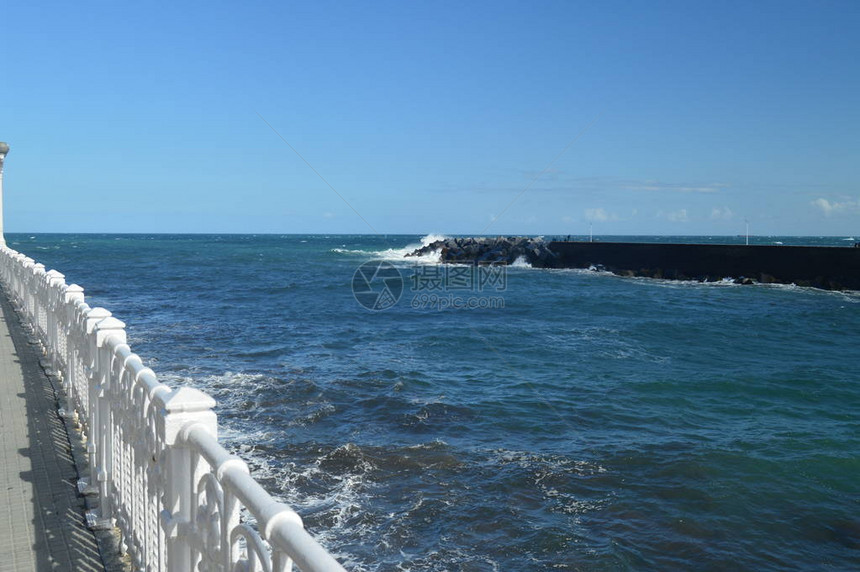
(521, 262)
(398, 254)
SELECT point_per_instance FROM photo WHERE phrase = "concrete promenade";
(42, 525)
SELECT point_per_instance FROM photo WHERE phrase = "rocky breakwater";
(483, 251)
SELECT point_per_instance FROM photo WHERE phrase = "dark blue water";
(575, 420)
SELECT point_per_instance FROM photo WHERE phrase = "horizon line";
(455, 234)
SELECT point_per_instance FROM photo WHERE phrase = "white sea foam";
(545, 470)
(346, 498)
(431, 238)
(399, 254)
(548, 462)
(349, 251)
(851, 296)
(345, 493)
(521, 262)
(726, 282)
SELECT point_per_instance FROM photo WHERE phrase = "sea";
(425, 417)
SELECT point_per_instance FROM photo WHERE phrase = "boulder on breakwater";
(500, 250)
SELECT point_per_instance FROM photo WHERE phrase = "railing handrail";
(154, 458)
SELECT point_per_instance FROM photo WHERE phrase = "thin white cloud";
(824, 205)
(599, 215)
(721, 213)
(835, 207)
(676, 187)
(557, 182)
(679, 215)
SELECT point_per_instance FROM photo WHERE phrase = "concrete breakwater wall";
(832, 268)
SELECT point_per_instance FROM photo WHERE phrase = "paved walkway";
(42, 524)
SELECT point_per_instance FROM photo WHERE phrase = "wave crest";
(399, 254)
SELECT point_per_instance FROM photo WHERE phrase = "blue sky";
(676, 117)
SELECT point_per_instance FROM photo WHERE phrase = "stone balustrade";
(163, 480)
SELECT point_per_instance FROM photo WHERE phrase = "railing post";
(74, 294)
(103, 427)
(35, 289)
(180, 410)
(55, 280)
(87, 402)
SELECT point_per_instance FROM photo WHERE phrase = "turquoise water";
(580, 421)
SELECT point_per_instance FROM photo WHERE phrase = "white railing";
(163, 480)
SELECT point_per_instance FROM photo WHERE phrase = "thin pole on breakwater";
(747, 222)
(4, 150)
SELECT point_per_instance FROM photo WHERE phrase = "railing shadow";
(61, 539)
